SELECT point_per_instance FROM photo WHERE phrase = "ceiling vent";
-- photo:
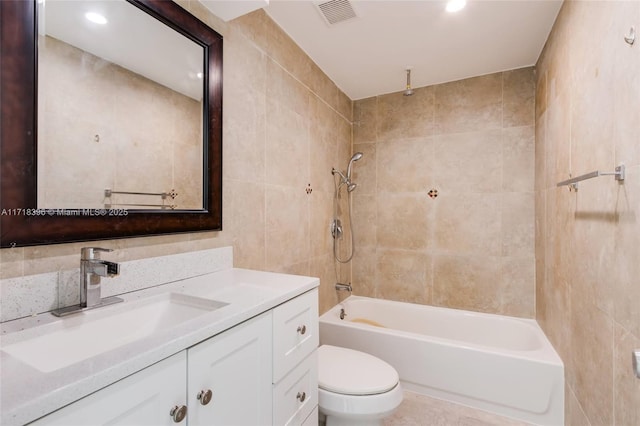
(336, 11)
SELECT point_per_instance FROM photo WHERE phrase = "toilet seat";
(348, 372)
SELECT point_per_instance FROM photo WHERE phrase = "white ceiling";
(131, 38)
(368, 55)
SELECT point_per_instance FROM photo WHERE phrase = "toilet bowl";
(355, 388)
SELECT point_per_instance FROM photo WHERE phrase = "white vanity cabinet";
(144, 398)
(227, 380)
(295, 364)
(229, 376)
(262, 371)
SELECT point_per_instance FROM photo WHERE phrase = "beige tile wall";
(471, 247)
(587, 242)
(285, 126)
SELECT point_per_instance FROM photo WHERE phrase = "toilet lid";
(350, 372)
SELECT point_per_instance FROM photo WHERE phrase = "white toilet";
(355, 388)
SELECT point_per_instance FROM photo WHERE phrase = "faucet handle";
(90, 253)
(113, 268)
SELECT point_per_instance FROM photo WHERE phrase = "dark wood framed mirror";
(23, 221)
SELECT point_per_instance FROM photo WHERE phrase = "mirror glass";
(119, 109)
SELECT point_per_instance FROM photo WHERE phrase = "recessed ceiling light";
(456, 5)
(199, 75)
(95, 18)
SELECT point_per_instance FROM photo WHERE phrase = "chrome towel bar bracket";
(573, 182)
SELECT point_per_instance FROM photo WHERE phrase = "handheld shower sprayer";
(356, 157)
(346, 180)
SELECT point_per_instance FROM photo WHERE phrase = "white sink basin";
(90, 333)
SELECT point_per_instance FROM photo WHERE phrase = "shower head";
(351, 187)
(408, 91)
(356, 157)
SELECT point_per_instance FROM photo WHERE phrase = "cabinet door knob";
(178, 413)
(301, 396)
(302, 329)
(204, 396)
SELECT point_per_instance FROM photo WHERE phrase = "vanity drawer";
(312, 420)
(296, 396)
(295, 332)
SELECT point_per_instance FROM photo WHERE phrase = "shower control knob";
(302, 329)
(178, 413)
(301, 396)
(204, 396)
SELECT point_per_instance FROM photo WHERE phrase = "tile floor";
(420, 410)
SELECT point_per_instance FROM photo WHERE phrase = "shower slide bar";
(573, 182)
(172, 193)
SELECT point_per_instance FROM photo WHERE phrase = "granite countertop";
(27, 393)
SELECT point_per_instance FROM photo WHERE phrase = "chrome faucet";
(92, 268)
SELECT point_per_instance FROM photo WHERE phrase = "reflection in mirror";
(120, 111)
(20, 153)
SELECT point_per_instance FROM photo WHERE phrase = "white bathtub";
(495, 363)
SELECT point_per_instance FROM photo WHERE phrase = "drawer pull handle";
(178, 413)
(204, 396)
(302, 329)
(301, 396)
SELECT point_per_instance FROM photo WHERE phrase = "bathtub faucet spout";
(342, 287)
